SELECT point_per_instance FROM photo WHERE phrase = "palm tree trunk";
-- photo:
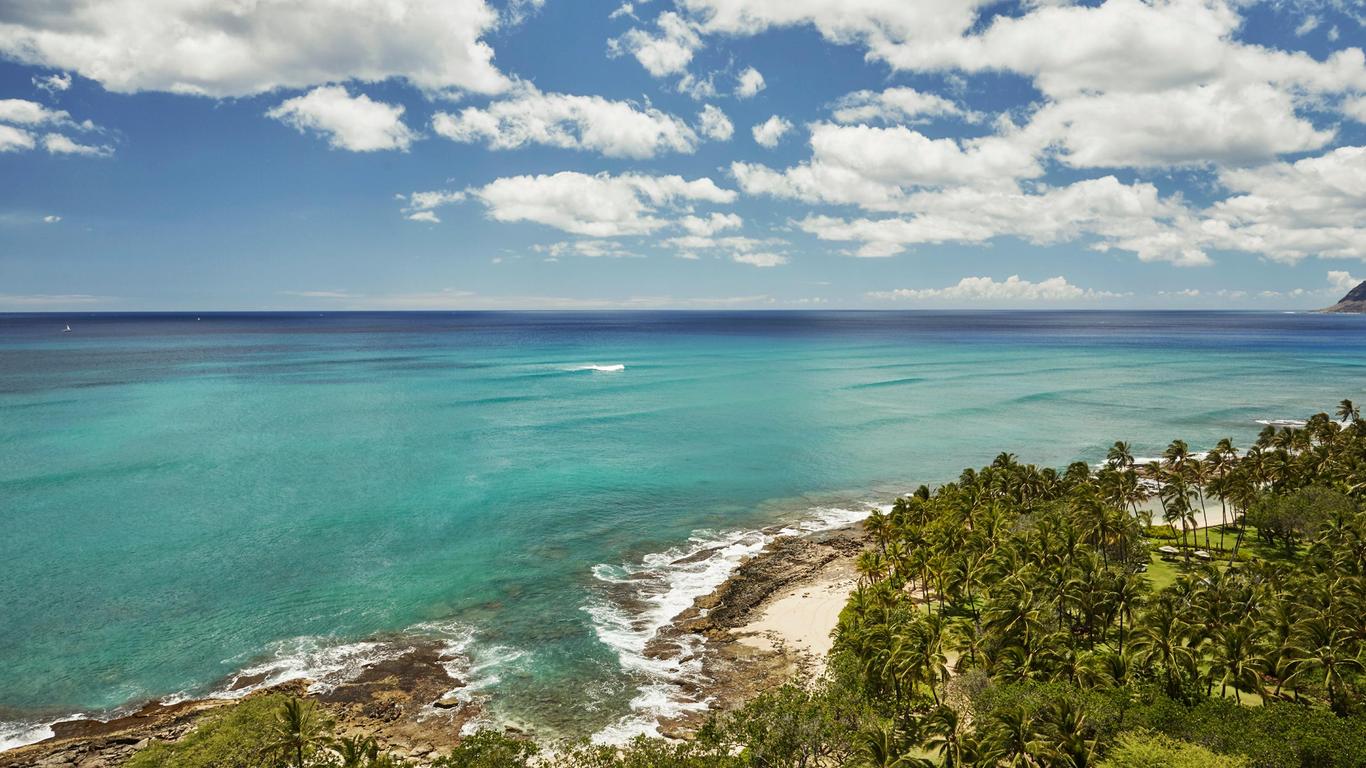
(1223, 520)
(1238, 542)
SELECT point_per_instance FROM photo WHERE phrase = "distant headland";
(1354, 301)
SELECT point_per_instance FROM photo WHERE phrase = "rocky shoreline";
(404, 704)
(401, 702)
(737, 670)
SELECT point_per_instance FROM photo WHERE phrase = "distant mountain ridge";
(1354, 301)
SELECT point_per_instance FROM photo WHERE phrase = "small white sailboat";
(67, 329)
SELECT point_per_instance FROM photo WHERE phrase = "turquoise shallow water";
(183, 499)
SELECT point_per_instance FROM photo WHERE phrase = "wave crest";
(612, 368)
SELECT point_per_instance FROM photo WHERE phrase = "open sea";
(188, 498)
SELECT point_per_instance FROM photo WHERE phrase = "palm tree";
(1235, 660)
(1109, 668)
(1119, 456)
(969, 641)
(1200, 474)
(879, 526)
(871, 566)
(1126, 591)
(299, 730)
(1324, 652)
(1177, 454)
(1176, 505)
(1220, 461)
(357, 751)
(1348, 412)
(1161, 642)
(1070, 733)
(932, 659)
(1012, 739)
(904, 666)
(948, 736)
(1015, 616)
(882, 747)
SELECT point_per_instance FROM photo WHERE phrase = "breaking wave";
(328, 662)
(637, 600)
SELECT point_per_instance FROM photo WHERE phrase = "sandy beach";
(1207, 516)
(800, 618)
(770, 622)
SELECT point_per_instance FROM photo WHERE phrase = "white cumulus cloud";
(54, 83)
(24, 112)
(876, 167)
(354, 123)
(710, 225)
(1343, 281)
(1121, 215)
(592, 123)
(749, 83)
(1011, 290)
(666, 51)
(771, 131)
(1290, 211)
(714, 124)
(759, 258)
(58, 144)
(597, 206)
(237, 49)
(16, 139)
(894, 105)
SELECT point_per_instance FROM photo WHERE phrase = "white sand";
(801, 617)
(1206, 517)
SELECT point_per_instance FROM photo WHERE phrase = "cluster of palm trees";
(301, 737)
(1021, 574)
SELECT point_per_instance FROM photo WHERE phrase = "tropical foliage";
(1018, 616)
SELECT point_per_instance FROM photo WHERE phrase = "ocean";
(186, 498)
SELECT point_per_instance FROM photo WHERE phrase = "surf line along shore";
(769, 623)
(405, 702)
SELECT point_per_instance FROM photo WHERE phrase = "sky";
(559, 154)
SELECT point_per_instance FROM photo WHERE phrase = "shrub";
(1290, 518)
(236, 738)
(1144, 750)
(489, 749)
(1278, 734)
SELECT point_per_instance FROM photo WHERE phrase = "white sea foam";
(1141, 462)
(477, 667)
(18, 733)
(1296, 423)
(1293, 423)
(324, 661)
(613, 368)
(328, 662)
(638, 600)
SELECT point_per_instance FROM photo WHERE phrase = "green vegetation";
(1018, 617)
(1144, 751)
(239, 737)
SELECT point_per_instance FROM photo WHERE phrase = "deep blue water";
(184, 497)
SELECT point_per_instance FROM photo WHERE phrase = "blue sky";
(448, 154)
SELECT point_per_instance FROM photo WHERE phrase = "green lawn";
(1162, 574)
